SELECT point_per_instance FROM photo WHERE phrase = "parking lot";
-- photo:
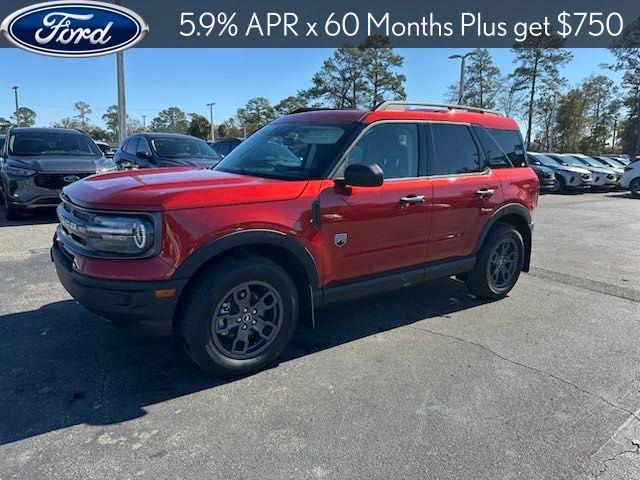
(425, 383)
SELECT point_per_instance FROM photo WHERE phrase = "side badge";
(341, 239)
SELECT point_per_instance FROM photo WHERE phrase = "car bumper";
(548, 184)
(133, 305)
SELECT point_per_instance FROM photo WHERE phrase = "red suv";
(319, 206)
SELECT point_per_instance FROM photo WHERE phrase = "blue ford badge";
(74, 29)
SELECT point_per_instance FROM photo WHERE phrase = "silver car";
(36, 163)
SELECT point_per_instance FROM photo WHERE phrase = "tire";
(481, 281)
(11, 212)
(634, 187)
(562, 184)
(220, 293)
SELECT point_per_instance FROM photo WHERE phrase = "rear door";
(466, 191)
(372, 230)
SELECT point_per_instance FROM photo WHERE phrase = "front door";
(372, 230)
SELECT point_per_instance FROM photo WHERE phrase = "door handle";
(412, 199)
(485, 192)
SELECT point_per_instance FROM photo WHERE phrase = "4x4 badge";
(341, 239)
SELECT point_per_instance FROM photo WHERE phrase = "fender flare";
(247, 238)
(510, 209)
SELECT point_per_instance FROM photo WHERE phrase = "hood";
(56, 164)
(572, 169)
(177, 188)
(604, 170)
(541, 169)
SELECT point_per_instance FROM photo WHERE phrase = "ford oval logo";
(74, 29)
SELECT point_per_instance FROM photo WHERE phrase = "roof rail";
(309, 109)
(398, 105)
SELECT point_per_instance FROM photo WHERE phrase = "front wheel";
(634, 187)
(11, 212)
(239, 316)
(498, 264)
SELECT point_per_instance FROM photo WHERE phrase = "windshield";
(589, 161)
(43, 143)
(568, 160)
(611, 162)
(287, 151)
(1, 141)
(543, 159)
(183, 147)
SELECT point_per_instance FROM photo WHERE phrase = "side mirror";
(363, 175)
(143, 154)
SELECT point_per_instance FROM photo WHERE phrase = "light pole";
(210, 105)
(122, 109)
(462, 59)
(144, 122)
(15, 92)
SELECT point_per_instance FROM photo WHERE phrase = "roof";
(45, 129)
(487, 119)
(165, 134)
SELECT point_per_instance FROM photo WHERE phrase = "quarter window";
(393, 146)
(131, 147)
(454, 150)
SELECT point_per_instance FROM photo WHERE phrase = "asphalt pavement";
(427, 383)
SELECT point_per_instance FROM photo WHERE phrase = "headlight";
(19, 172)
(104, 166)
(102, 234)
(113, 234)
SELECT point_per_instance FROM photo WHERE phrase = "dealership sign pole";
(122, 109)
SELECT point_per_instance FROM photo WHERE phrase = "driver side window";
(393, 146)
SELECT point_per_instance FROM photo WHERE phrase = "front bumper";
(133, 305)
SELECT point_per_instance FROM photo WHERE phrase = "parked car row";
(574, 171)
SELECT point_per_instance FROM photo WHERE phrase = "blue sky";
(190, 78)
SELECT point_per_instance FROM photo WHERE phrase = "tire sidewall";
(500, 234)
(634, 187)
(201, 345)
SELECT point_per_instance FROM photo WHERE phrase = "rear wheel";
(634, 186)
(498, 264)
(239, 316)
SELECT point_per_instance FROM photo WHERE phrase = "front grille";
(57, 181)
(547, 175)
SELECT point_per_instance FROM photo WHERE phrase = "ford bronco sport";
(319, 206)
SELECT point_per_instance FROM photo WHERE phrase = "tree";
(255, 113)
(482, 82)
(67, 122)
(290, 104)
(229, 128)
(570, 120)
(98, 133)
(83, 110)
(380, 70)
(26, 117)
(538, 59)
(199, 126)
(359, 76)
(627, 54)
(340, 83)
(170, 120)
(110, 119)
(5, 124)
(602, 106)
(511, 97)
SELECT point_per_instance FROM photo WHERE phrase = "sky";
(191, 78)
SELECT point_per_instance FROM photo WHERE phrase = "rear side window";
(495, 155)
(393, 146)
(131, 147)
(454, 150)
(512, 144)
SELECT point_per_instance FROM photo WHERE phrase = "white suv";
(631, 178)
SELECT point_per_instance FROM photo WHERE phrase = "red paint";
(199, 206)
